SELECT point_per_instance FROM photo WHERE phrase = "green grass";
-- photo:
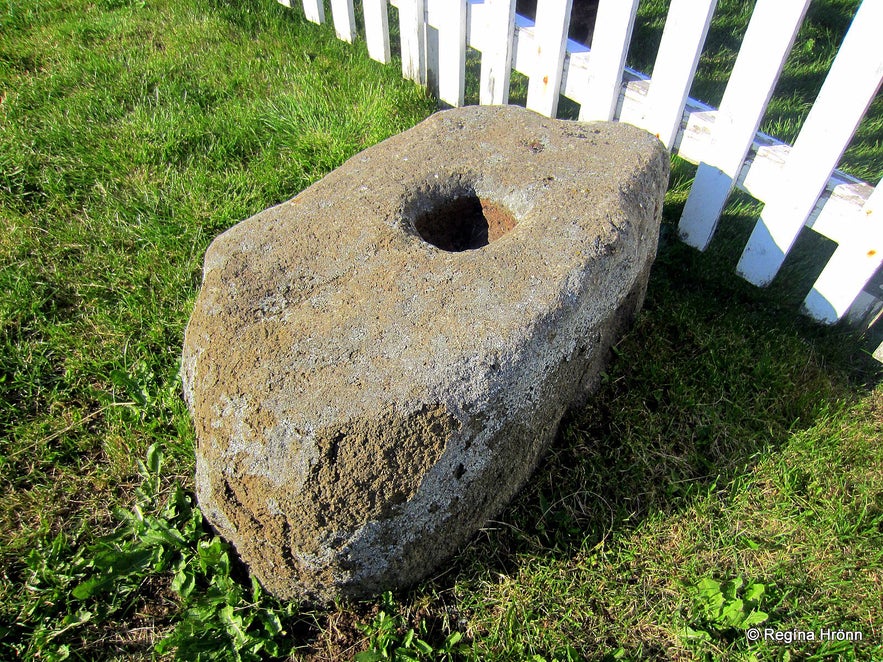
(732, 444)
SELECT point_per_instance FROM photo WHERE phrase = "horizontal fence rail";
(798, 185)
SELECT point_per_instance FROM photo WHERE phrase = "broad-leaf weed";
(387, 639)
(724, 610)
(218, 617)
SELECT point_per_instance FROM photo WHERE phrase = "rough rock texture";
(365, 400)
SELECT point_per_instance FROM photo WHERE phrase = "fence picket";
(766, 45)
(682, 41)
(344, 18)
(497, 30)
(610, 45)
(377, 29)
(851, 266)
(452, 53)
(412, 30)
(550, 39)
(845, 96)
(314, 11)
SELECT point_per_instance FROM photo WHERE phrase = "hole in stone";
(463, 223)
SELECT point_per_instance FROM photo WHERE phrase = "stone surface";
(365, 400)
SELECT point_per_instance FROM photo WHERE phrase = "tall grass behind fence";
(798, 184)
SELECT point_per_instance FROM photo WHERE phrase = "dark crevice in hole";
(464, 223)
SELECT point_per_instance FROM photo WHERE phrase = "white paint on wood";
(762, 171)
(865, 311)
(497, 27)
(285, 3)
(523, 45)
(377, 29)
(610, 45)
(550, 38)
(845, 95)
(314, 11)
(682, 38)
(851, 265)
(436, 10)
(452, 53)
(575, 71)
(344, 18)
(767, 42)
(430, 36)
(766, 157)
(835, 216)
(412, 28)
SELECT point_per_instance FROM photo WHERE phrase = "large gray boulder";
(375, 367)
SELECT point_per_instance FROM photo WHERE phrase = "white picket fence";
(798, 184)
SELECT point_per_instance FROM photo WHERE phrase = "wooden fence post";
(412, 27)
(377, 29)
(610, 44)
(550, 40)
(685, 29)
(767, 42)
(314, 11)
(344, 18)
(851, 266)
(452, 53)
(498, 30)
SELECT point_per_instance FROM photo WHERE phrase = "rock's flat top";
(337, 364)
